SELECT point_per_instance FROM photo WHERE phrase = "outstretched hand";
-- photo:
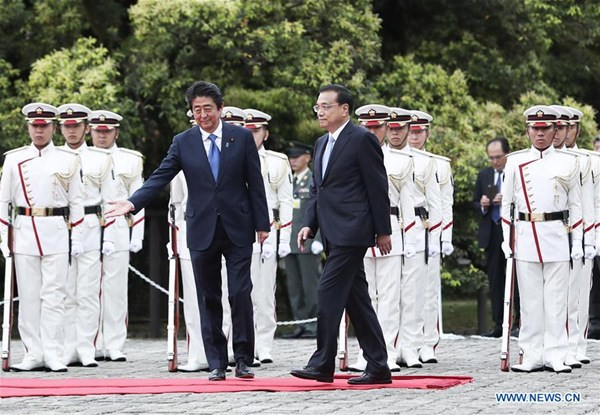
(118, 208)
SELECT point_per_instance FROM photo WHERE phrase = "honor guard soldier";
(580, 278)
(82, 306)
(41, 189)
(542, 184)
(418, 137)
(196, 356)
(427, 228)
(302, 268)
(383, 273)
(277, 176)
(128, 236)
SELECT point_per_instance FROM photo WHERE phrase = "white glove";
(267, 251)
(169, 249)
(447, 248)
(135, 245)
(108, 248)
(284, 249)
(409, 250)
(433, 250)
(76, 248)
(576, 251)
(4, 248)
(589, 252)
(316, 248)
(506, 249)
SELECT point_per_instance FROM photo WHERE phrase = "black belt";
(422, 213)
(395, 211)
(89, 210)
(544, 216)
(43, 211)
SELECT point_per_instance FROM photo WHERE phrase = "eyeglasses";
(325, 107)
(492, 158)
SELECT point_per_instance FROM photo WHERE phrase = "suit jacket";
(238, 196)
(485, 178)
(301, 196)
(350, 204)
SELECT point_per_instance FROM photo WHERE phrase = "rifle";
(343, 342)
(173, 305)
(508, 295)
(9, 278)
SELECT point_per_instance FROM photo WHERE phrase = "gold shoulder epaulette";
(14, 150)
(517, 152)
(135, 153)
(569, 152)
(276, 154)
(67, 150)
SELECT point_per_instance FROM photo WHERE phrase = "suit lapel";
(340, 143)
(227, 142)
(319, 150)
(197, 145)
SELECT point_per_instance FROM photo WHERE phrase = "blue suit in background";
(222, 218)
(350, 205)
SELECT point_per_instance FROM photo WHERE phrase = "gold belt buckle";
(37, 211)
(536, 217)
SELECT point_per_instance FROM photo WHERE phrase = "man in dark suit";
(349, 203)
(487, 200)
(226, 206)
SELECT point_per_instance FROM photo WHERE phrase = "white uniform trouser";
(41, 285)
(227, 324)
(383, 276)
(263, 273)
(82, 306)
(414, 279)
(580, 284)
(543, 291)
(114, 301)
(431, 329)
(191, 313)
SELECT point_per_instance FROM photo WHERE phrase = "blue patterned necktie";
(496, 208)
(326, 154)
(213, 156)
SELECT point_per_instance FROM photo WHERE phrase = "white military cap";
(576, 114)
(73, 113)
(372, 115)
(419, 120)
(399, 117)
(234, 115)
(564, 114)
(541, 116)
(256, 119)
(39, 113)
(104, 120)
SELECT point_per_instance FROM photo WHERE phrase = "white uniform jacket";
(542, 182)
(34, 179)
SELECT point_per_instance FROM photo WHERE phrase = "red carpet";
(62, 387)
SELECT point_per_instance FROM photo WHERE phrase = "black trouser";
(496, 271)
(207, 272)
(343, 284)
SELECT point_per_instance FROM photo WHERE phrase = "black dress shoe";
(295, 334)
(496, 333)
(312, 374)
(369, 378)
(217, 374)
(242, 371)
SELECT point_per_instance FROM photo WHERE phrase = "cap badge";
(228, 114)
(540, 114)
(372, 112)
(69, 111)
(393, 115)
(39, 110)
(414, 118)
(250, 116)
(102, 117)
